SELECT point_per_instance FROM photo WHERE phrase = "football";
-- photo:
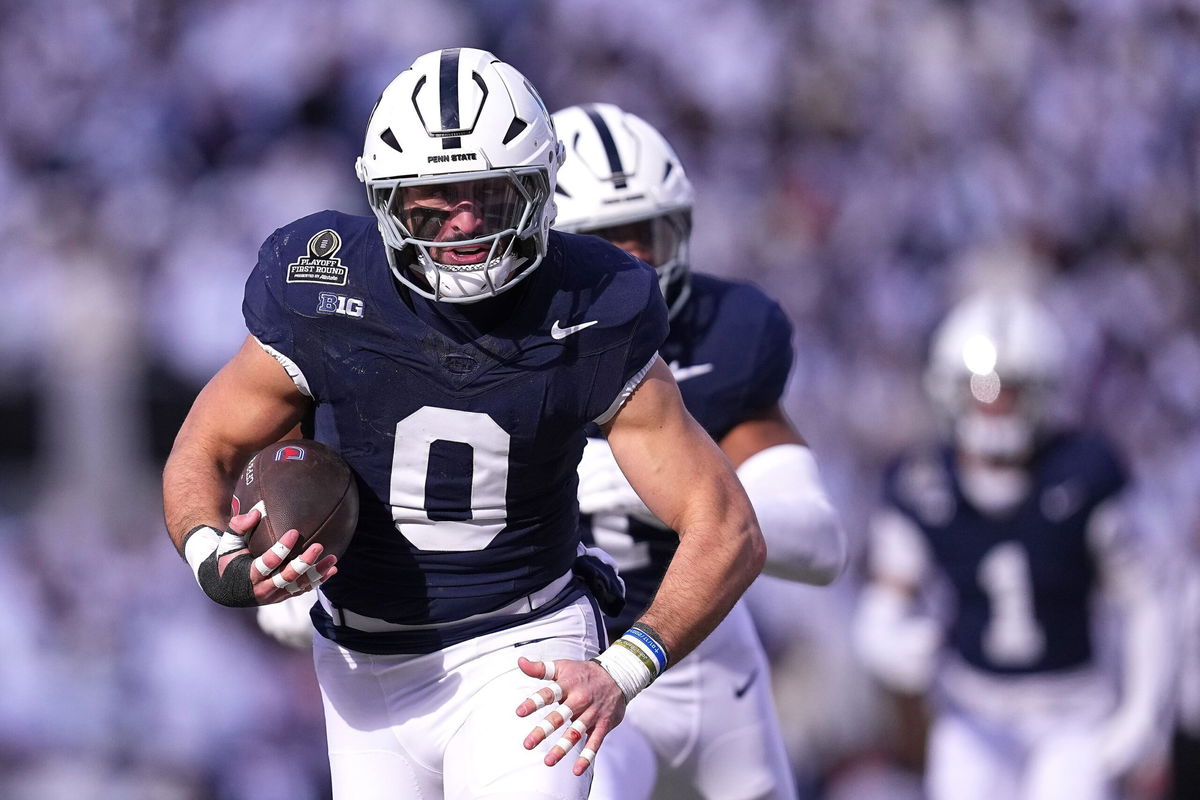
(300, 484)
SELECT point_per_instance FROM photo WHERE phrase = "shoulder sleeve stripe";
(623, 395)
(294, 372)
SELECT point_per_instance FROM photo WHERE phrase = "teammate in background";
(1020, 522)
(730, 350)
(458, 384)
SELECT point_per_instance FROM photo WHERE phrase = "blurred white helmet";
(460, 148)
(622, 181)
(996, 362)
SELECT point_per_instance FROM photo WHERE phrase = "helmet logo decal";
(320, 265)
(442, 159)
(610, 147)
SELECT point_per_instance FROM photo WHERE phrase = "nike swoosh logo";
(746, 686)
(683, 373)
(558, 332)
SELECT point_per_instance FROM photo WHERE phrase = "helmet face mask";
(996, 420)
(662, 242)
(461, 149)
(623, 181)
(491, 218)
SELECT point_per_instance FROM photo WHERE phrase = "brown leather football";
(301, 484)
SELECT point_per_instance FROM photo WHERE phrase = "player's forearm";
(805, 541)
(1130, 579)
(250, 403)
(197, 483)
(1145, 675)
(719, 556)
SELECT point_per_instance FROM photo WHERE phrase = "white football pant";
(1025, 738)
(712, 717)
(444, 725)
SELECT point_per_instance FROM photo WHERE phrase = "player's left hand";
(582, 695)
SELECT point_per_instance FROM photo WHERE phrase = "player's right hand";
(229, 575)
(588, 700)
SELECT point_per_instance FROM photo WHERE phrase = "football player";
(453, 349)
(729, 347)
(1019, 522)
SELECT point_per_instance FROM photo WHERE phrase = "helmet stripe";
(610, 147)
(448, 89)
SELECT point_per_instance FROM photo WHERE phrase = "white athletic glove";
(901, 649)
(603, 488)
(288, 622)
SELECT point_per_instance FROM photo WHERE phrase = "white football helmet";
(623, 181)
(460, 149)
(996, 362)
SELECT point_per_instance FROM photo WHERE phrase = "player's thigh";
(375, 753)
(627, 767)
(713, 717)
(968, 762)
(486, 757)
(740, 753)
(1066, 764)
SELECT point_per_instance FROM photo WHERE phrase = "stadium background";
(865, 161)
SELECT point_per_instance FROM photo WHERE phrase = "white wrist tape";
(633, 661)
(200, 545)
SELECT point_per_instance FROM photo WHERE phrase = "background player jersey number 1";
(1013, 636)
(449, 479)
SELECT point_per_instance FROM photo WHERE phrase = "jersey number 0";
(449, 479)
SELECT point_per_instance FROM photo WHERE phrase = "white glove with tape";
(899, 648)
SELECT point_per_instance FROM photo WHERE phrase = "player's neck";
(464, 321)
(994, 487)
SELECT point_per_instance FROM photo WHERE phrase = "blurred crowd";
(864, 161)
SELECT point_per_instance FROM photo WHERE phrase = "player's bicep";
(766, 428)
(670, 461)
(248, 404)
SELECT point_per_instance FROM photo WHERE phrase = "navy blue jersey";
(1022, 583)
(464, 442)
(730, 349)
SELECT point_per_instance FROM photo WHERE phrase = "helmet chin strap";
(421, 274)
(473, 284)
